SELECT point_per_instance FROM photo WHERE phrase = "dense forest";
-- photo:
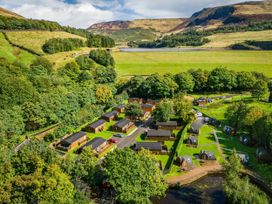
(198, 38)
(56, 45)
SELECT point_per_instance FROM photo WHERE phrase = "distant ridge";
(7, 13)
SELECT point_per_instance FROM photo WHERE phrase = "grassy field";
(227, 39)
(34, 40)
(12, 53)
(145, 63)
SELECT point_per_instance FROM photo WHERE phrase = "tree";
(133, 110)
(103, 75)
(235, 115)
(103, 94)
(260, 90)
(245, 81)
(135, 177)
(45, 63)
(102, 57)
(133, 86)
(221, 79)
(71, 70)
(200, 79)
(251, 116)
(85, 63)
(185, 82)
(182, 107)
(163, 111)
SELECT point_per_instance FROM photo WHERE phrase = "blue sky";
(83, 13)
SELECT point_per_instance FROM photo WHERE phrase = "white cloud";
(84, 13)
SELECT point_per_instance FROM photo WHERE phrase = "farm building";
(185, 162)
(169, 125)
(137, 100)
(155, 147)
(148, 107)
(196, 126)
(113, 115)
(97, 144)
(153, 102)
(263, 155)
(123, 125)
(160, 135)
(120, 108)
(96, 126)
(205, 155)
(73, 141)
(192, 141)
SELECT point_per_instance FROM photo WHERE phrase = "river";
(208, 190)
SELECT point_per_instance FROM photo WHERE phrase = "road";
(130, 139)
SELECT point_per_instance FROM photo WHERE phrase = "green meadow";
(145, 63)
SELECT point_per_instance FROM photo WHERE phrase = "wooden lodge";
(97, 144)
(192, 141)
(169, 125)
(154, 147)
(196, 126)
(153, 102)
(160, 135)
(72, 141)
(120, 108)
(200, 102)
(123, 125)
(148, 107)
(137, 100)
(205, 155)
(185, 162)
(145, 116)
(96, 126)
(113, 115)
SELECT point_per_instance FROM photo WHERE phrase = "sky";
(84, 13)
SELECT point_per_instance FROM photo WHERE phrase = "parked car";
(119, 135)
(112, 140)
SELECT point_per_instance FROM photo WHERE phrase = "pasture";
(34, 40)
(146, 63)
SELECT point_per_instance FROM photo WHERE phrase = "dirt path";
(218, 144)
(195, 174)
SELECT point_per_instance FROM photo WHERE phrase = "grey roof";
(168, 123)
(121, 106)
(97, 123)
(159, 133)
(72, 138)
(148, 145)
(193, 139)
(147, 105)
(110, 114)
(122, 123)
(186, 158)
(196, 125)
(94, 143)
(208, 153)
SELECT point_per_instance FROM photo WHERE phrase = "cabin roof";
(148, 145)
(110, 114)
(196, 125)
(72, 138)
(159, 133)
(147, 105)
(121, 106)
(94, 143)
(122, 123)
(193, 139)
(168, 123)
(97, 123)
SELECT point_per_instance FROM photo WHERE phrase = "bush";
(56, 45)
(102, 57)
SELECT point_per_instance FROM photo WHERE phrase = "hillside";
(4, 12)
(208, 18)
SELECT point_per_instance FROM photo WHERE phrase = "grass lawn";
(145, 63)
(13, 53)
(34, 40)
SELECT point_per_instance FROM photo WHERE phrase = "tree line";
(158, 86)
(37, 96)
(56, 45)
(253, 45)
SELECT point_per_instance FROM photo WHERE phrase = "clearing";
(146, 63)
(34, 40)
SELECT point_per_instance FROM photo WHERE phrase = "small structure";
(205, 155)
(243, 157)
(153, 102)
(122, 125)
(196, 126)
(96, 126)
(120, 108)
(200, 101)
(213, 122)
(160, 135)
(155, 147)
(113, 115)
(97, 144)
(229, 130)
(148, 107)
(192, 141)
(137, 100)
(246, 140)
(185, 162)
(263, 155)
(72, 141)
(169, 125)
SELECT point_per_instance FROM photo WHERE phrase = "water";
(207, 190)
(162, 49)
